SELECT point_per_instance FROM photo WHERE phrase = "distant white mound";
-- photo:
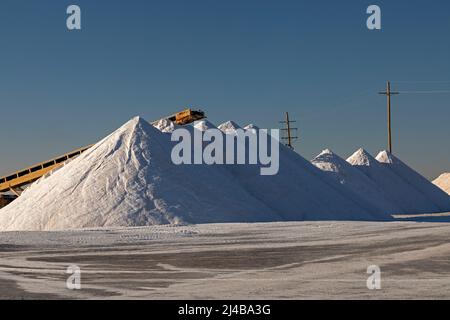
(396, 189)
(128, 179)
(165, 125)
(204, 125)
(229, 127)
(355, 181)
(251, 126)
(424, 186)
(443, 182)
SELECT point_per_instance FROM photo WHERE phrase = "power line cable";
(421, 81)
(425, 92)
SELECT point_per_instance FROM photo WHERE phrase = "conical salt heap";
(439, 198)
(229, 127)
(394, 188)
(357, 182)
(128, 179)
(443, 182)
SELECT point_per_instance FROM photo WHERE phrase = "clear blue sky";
(248, 61)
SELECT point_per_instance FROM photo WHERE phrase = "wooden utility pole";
(288, 127)
(388, 94)
(289, 137)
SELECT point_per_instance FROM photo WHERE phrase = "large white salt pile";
(443, 182)
(424, 186)
(355, 181)
(398, 191)
(300, 191)
(128, 179)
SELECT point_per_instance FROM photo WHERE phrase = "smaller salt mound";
(229, 127)
(443, 182)
(355, 181)
(251, 126)
(204, 125)
(436, 195)
(394, 188)
(165, 125)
